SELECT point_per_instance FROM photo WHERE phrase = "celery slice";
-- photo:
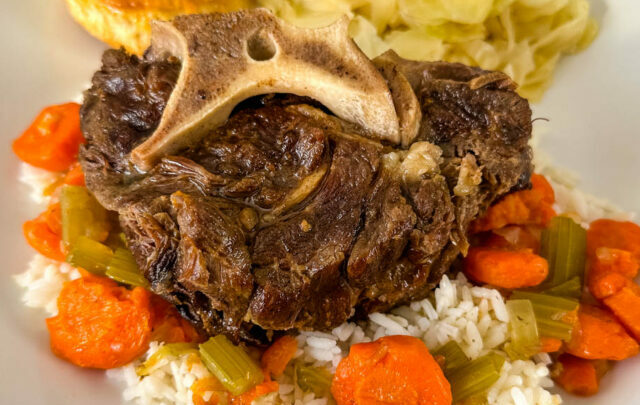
(82, 215)
(571, 288)
(314, 379)
(475, 400)
(90, 255)
(116, 240)
(564, 245)
(168, 350)
(498, 360)
(453, 355)
(476, 377)
(230, 364)
(525, 341)
(550, 311)
(123, 268)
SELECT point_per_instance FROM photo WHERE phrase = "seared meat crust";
(287, 217)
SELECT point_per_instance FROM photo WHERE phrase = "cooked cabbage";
(523, 38)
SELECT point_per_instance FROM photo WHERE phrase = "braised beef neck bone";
(288, 217)
(227, 58)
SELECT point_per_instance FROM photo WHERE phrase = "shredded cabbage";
(523, 38)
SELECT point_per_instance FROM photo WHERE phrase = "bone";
(227, 58)
(404, 99)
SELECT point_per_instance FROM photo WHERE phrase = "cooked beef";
(288, 217)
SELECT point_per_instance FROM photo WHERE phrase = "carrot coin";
(526, 207)
(275, 359)
(613, 234)
(44, 233)
(391, 370)
(577, 376)
(505, 268)
(599, 335)
(51, 142)
(100, 324)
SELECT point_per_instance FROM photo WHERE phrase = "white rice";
(43, 281)
(168, 382)
(475, 317)
(37, 180)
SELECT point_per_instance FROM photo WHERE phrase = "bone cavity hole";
(260, 46)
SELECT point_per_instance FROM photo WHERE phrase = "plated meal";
(255, 209)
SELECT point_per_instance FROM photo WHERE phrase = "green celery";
(453, 355)
(564, 245)
(314, 379)
(116, 240)
(168, 350)
(571, 288)
(475, 400)
(525, 341)
(230, 364)
(90, 255)
(550, 313)
(123, 268)
(476, 377)
(82, 215)
(498, 360)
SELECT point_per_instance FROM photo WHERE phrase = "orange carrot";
(605, 285)
(614, 234)
(75, 175)
(44, 233)
(391, 370)
(100, 324)
(277, 356)
(541, 185)
(51, 142)
(201, 387)
(611, 260)
(527, 207)
(550, 345)
(256, 392)
(169, 326)
(577, 376)
(598, 335)
(504, 268)
(610, 270)
(625, 305)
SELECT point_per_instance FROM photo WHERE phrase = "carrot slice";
(75, 175)
(550, 345)
(275, 359)
(44, 233)
(256, 392)
(614, 234)
(541, 185)
(391, 370)
(599, 335)
(527, 207)
(577, 376)
(625, 305)
(504, 268)
(201, 388)
(100, 324)
(51, 142)
(605, 285)
(169, 326)
(610, 270)
(611, 260)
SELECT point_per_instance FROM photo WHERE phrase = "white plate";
(47, 58)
